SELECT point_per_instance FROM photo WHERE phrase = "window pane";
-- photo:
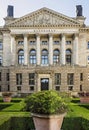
(19, 79)
(57, 79)
(20, 42)
(70, 79)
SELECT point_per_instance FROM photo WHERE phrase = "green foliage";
(46, 102)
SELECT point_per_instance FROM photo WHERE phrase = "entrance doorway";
(44, 84)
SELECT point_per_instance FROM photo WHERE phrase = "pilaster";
(25, 50)
(62, 56)
(38, 49)
(50, 49)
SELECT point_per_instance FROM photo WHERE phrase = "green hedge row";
(26, 123)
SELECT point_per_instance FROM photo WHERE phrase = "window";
(44, 42)
(88, 44)
(32, 56)
(70, 79)
(1, 45)
(56, 42)
(7, 77)
(80, 87)
(32, 42)
(56, 56)
(0, 76)
(0, 88)
(20, 57)
(88, 59)
(32, 81)
(18, 88)
(68, 56)
(70, 88)
(20, 42)
(8, 87)
(44, 57)
(57, 81)
(19, 79)
(68, 42)
(81, 76)
(0, 60)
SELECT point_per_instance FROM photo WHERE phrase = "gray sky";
(23, 7)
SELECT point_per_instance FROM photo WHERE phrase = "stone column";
(38, 49)
(13, 49)
(75, 49)
(62, 55)
(50, 49)
(25, 50)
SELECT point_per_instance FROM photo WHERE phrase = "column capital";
(38, 35)
(75, 35)
(25, 35)
(13, 35)
(50, 34)
(63, 35)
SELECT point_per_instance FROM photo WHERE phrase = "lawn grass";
(15, 109)
(78, 110)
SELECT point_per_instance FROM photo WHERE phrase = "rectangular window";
(56, 42)
(0, 76)
(0, 88)
(44, 42)
(0, 60)
(32, 42)
(20, 42)
(88, 45)
(1, 45)
(19, 79)
(81, 76)
(70, 79)
(68, 42)
(70, 88)
(7, 77)
(8, 87)
(88, 59)
(31, 79)
(57, 79)
(18, 88)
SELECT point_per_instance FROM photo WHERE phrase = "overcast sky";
(23, 7)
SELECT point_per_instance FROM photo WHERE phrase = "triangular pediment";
(43, 17)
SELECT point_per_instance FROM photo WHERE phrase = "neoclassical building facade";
(44, 50)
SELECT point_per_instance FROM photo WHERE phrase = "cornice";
(84, 30)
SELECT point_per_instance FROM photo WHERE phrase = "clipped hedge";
(26, 123)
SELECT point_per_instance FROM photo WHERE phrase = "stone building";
(44, 50)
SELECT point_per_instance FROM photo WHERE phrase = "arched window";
(21, 56)
(68, 56)
(33, 56)
(44, 57)
(56, 56)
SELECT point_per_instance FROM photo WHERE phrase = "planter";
(84, 99)
(6, 99)
(46, 122)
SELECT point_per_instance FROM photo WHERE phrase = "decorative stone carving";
(44, 17)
